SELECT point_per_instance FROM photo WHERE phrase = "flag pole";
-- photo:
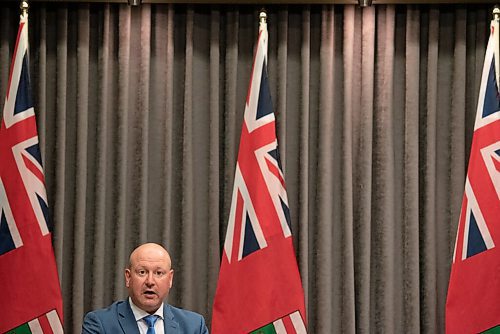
(496, 32)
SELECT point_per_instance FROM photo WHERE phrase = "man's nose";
(150, 278)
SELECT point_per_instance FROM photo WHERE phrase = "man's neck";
(140, 313)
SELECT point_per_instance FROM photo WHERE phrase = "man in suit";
(148, 279)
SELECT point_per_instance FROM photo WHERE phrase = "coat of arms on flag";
(472, 303)
(31, 297)
(259, 288)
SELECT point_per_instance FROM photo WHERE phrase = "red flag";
(30, 300)
(472, 304)
(259, 285)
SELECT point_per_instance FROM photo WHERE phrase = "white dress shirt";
(139, 314)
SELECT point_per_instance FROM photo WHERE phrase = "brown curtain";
(139, 112)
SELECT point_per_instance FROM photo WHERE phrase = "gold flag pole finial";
(263, 16)
(24, 8)
(263, 29)
(496, 13)
(262, 19)
(496, 35)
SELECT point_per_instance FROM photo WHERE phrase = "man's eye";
(141, 272)
(160, 273)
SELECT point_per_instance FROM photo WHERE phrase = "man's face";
(149, 277)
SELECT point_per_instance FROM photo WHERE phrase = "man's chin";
(150, 304)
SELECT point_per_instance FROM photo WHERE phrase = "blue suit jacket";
(119, 318)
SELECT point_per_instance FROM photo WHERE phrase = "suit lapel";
(126, 318)
(171, 326)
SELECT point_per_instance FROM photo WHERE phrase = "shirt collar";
(139, 313)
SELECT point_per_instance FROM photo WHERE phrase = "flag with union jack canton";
(259, 288)
(472, 304)
(30, 300)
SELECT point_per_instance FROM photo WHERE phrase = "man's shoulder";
(105, 320)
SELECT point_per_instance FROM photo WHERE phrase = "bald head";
(149, 276)
(149, 251)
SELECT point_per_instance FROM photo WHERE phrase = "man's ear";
(127, 277)
(171, 277)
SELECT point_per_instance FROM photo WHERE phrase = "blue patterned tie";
(150, 320)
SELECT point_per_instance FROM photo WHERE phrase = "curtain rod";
(302, 2)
